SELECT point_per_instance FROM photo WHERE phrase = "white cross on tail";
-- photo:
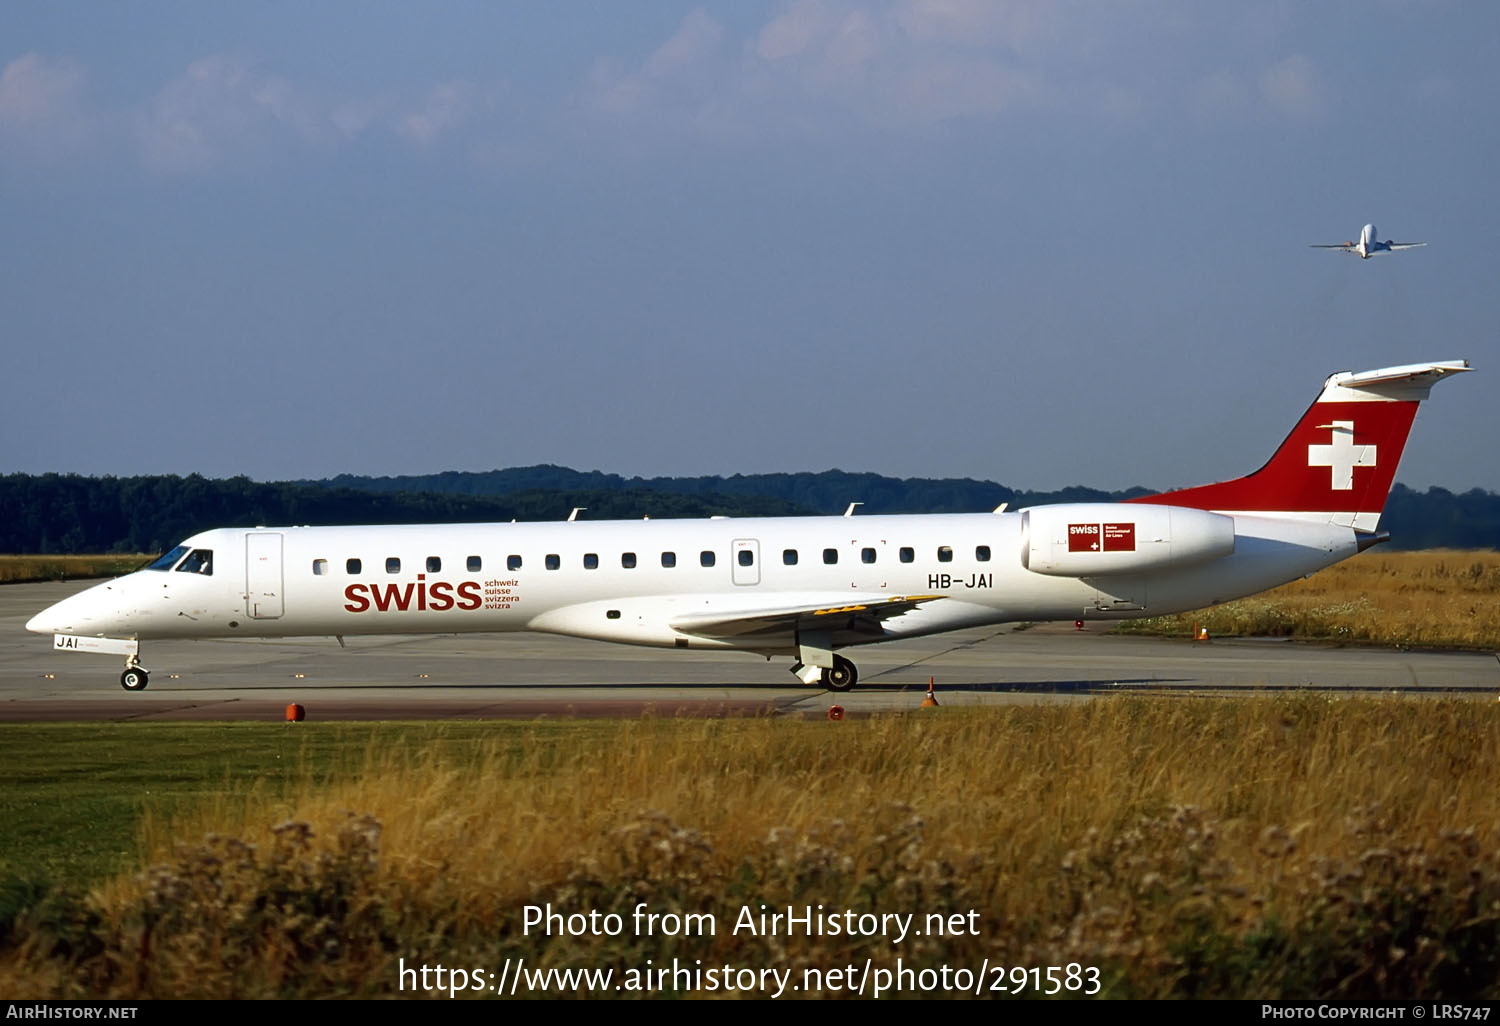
(1342, 456)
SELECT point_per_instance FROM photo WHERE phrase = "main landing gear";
(841, 676)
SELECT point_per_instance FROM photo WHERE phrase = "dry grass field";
(21, 569)
(1442, 598)
(1287, 847)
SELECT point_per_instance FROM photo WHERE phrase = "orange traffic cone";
(930, 701)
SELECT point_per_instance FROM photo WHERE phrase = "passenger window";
(512, 562)
(199, 561)
(789, 557)
(320, 567)
(627, 560)
(830, 556)
(945, 553)
(591, 560)
(352, 566)
(392, 565)
(746, 557)
(982, 553)
(706, 558)
(669, 559)
(474, 564)
(434, 564)
(553, 561)
(867, 555)
(908, 554)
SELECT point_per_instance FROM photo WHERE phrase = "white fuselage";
(799, 586)
(610, 581)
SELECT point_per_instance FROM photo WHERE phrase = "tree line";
(58, 514)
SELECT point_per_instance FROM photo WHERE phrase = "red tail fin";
(1340, 459)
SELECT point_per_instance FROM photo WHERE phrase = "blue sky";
(1041, 243)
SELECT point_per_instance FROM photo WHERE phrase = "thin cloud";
(794, 30)
(225, 109)
(696, 39)
(1295, 86)
(445, 108)
(42, 107)
(674, 70)
(1016, 25)
(221, 109)
(811, 69)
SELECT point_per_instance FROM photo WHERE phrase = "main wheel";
(134, 679)
(842, 677)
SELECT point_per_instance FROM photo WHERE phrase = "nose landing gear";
(135, 677)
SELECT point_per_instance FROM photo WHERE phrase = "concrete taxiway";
(474, 676)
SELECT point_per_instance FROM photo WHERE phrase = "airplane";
(1368, 245)
(805, 589)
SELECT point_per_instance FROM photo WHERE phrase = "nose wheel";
(134, 679)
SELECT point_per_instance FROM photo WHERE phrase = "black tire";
(842, 677)
(134, 679)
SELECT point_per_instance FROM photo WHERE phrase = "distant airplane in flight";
(796, 588)
(1368, 245)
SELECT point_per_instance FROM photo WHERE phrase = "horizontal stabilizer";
(1412, 382)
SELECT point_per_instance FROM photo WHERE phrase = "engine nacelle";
(1088, 539)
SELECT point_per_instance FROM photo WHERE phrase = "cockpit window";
(169, 560)
(201, 561)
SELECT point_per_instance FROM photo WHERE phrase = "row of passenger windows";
(745, 557)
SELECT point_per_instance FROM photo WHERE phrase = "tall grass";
(1278, 847)
(1438, 598)
(23, 569)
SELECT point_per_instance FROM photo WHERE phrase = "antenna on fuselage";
(1000, 508)
(574, 515)
(850, 511)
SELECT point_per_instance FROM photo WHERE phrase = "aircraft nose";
(76, 614)
(63, 617)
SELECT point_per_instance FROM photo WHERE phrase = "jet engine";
(1088, 539)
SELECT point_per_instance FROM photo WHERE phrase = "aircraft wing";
(1347, 247)
(1405, 245)
(840, 614)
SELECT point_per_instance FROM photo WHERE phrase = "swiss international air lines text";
(685, 975)
(423, 595)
